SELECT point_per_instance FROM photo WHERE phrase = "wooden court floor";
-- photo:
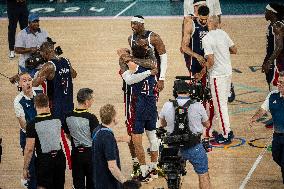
(91, 46)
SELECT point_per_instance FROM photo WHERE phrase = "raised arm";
(46, 72)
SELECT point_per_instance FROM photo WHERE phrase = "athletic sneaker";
(12, 54)
(24, 183)
(232, 94)
(220, 139)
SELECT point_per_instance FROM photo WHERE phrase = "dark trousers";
(32, 179)
(50, 170)
(82, 168)
(278, 151)
(15, 14)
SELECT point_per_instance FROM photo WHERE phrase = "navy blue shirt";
(60, 88)
(104, 149)
(276, 107)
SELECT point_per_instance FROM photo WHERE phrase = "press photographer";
(184, 119)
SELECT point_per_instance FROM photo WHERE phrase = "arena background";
(89, 33)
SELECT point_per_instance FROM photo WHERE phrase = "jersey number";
(145, 88)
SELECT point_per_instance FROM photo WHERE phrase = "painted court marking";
(257, 161)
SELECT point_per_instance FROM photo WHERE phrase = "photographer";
(28, 41)
(197, 118)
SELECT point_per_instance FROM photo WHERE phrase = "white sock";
(144, 169)
(153, 165)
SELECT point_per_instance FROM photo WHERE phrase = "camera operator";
(192, 151)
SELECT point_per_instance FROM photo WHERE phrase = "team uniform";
(195, 44)
(144, 104)
(60, 88)
(24, 107)
(274, 103)
(50, 159)
(217, 42)
(130, 99)
(278, 66)
(80, 124)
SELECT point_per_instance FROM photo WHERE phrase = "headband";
(268, 7)
(199, 3)
(136, 19)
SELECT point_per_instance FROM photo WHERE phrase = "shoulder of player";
(155, 37)
(278, 27)
(18, 98)
(272, 92)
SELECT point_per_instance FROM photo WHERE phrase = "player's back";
(60, 89)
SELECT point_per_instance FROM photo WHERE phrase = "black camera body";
(37, 59)
(186, 84)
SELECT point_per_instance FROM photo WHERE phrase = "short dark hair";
(84, 94)
(139, 16)
(131, 184)
(107, 113)
(279, 8)
(41, 100)
(203, 10)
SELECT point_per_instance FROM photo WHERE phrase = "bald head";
(213, 22)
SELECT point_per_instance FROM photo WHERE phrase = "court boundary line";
(255, 164)
(129, 17)
(125, 9)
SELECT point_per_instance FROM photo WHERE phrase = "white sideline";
(128, 7)
(257, 161)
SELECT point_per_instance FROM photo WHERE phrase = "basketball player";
(274, 59)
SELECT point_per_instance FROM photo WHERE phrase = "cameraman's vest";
(181, 127)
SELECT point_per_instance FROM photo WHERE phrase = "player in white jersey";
(217, 49)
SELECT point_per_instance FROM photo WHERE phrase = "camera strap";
(181, 116)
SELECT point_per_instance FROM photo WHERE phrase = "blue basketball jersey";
(195, 44)
(60, 89)
(146, 86)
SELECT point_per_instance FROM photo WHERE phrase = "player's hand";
(266, 66)
(198, 76)
(160, 85)
(14, 79)
(154, 71)
(132, 66)
(201, 59)
(26, 174)
(181, 51)
(122, 51)
(33, 49)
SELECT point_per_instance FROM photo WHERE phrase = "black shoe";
(232, 95)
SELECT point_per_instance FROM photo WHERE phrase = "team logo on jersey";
(27, 105)
(63, 70)
(274, 102)
(202, 34)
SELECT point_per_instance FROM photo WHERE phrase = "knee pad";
(153, 140)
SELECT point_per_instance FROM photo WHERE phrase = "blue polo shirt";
(275, 104)
(104, 149)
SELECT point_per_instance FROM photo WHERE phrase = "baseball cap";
(33, 17)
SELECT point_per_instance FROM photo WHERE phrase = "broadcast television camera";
(36, 58)
(170, 159)
(194, 88)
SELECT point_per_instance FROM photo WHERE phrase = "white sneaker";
(12, 54)
(24, 183)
